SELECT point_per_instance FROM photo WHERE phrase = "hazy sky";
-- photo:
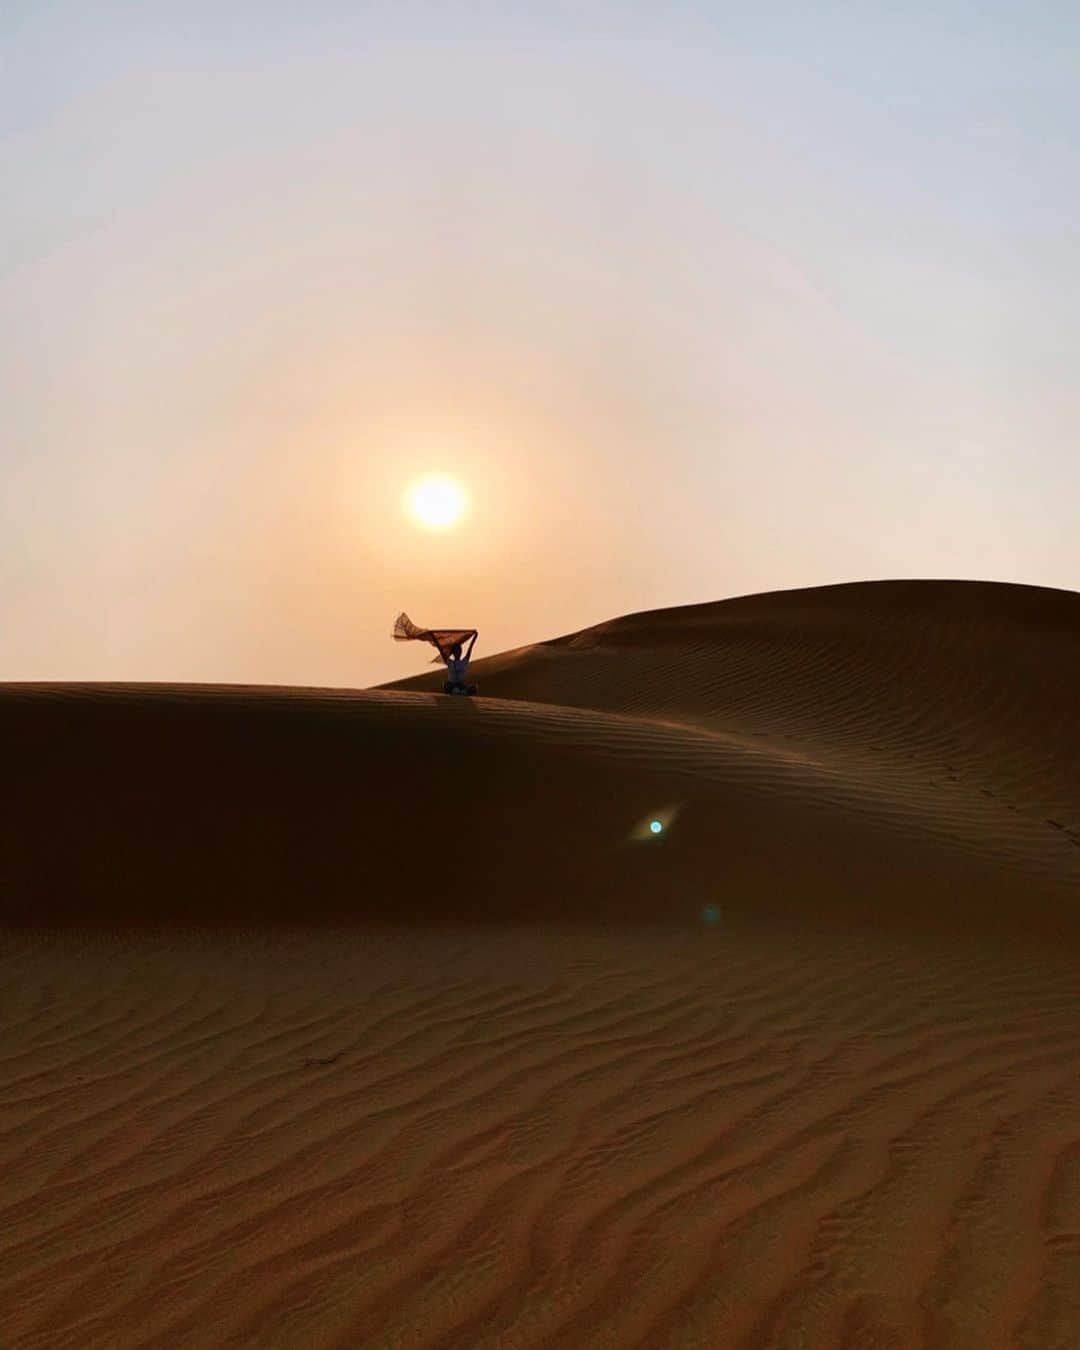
(695, 300)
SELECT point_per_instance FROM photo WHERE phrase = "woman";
(447, 641)
(457, 668)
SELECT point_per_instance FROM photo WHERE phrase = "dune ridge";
(812, 752)
(972, 679)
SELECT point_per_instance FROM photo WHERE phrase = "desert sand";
(382, 1019)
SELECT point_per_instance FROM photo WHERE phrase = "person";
(457, 667)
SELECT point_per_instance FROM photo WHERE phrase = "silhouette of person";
(457, 668)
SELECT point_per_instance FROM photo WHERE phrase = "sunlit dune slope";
(817, 764)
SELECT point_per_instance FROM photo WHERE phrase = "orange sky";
(691, 309)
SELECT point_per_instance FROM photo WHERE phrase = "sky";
(692, 300)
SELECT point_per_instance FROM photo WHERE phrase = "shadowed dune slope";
(815, 753)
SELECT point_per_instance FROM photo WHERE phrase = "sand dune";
(375, 1018)
(974, 682)
(828, 760)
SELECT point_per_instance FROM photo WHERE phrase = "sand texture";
(382, 1019)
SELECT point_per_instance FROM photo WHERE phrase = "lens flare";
(659, 822)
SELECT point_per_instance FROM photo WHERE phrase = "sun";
(436, 501)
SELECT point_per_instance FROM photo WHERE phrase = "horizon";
(689, 307)
(423, 663)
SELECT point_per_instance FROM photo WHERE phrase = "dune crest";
(973, 680)
(897, 754)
